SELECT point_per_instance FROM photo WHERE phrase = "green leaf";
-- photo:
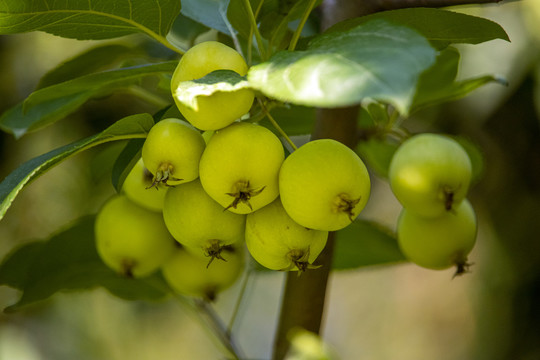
(188, 92)
(48, 105)
(440, 27)
(184, 31)
(238, 16)
(135, 126)
(438, 84)
(89, 19)
(377, 153)
(100, 58)
(293, 120)
(365, 243)
(68, 261)
(376, 60)
(212, 13)
(125, 162)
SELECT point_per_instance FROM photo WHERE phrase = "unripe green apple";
(136, 187)
(277, 242)
(324, 185)
(131, 239)
(440, 242)
(430, 174)
(198, 222)
(172, 151)
(221, 108)
(239, 168)
(188, 274)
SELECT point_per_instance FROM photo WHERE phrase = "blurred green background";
(399, 312)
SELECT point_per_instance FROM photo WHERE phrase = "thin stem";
(223, 14)
(301, 25)
(148, 96)
(218, 328)
(239, 301)
(255, 29)
(207, 316)
(250, 38)
(276, 125)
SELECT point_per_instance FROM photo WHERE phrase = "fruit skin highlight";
(131, 239)
(441, 242)
(198, 222)
(172, 151)
(136, 187)
(275, 241)
(221, 108)
(188, 274)
(324, 185)
(240, 166)
(430, 174)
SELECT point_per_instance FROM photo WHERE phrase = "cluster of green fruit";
(222, 185)
(430, 175)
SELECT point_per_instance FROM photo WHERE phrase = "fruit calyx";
(242, 193)
(214, 249)
(299, 259)
(127, 267)
(448, 197)
(462, 265)
(344, 204)
(163, 174)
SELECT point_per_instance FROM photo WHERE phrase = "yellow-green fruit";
(199, 223)
(188, 274)
(277, 242)
(240, 166)
(221, 108)
(172, 151)
(137, 188)
(324, 185)
(440, 242)
(131, 239)
(430, 174)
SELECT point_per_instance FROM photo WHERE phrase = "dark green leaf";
(376, 60)
(50, 104)
(16, 266)
(188, 92)
(365, 243)
(125, 162)
(135, 126)
(440, 27)
(68, 261)
(438, 84)
(89, 19)
(293, 119)
(377, 153)
(184, 31)
(238, 16)
(212, 13)
(96, 59)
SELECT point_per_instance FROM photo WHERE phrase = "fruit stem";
(298, 32)
(255, 28)
(239, 300)
(276, 125)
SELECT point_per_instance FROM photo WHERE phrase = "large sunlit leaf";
(45, 106)
(89, 19)
(440, 27)
(135, 126)
(376, 60)
(365, 243)
(68, 261)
